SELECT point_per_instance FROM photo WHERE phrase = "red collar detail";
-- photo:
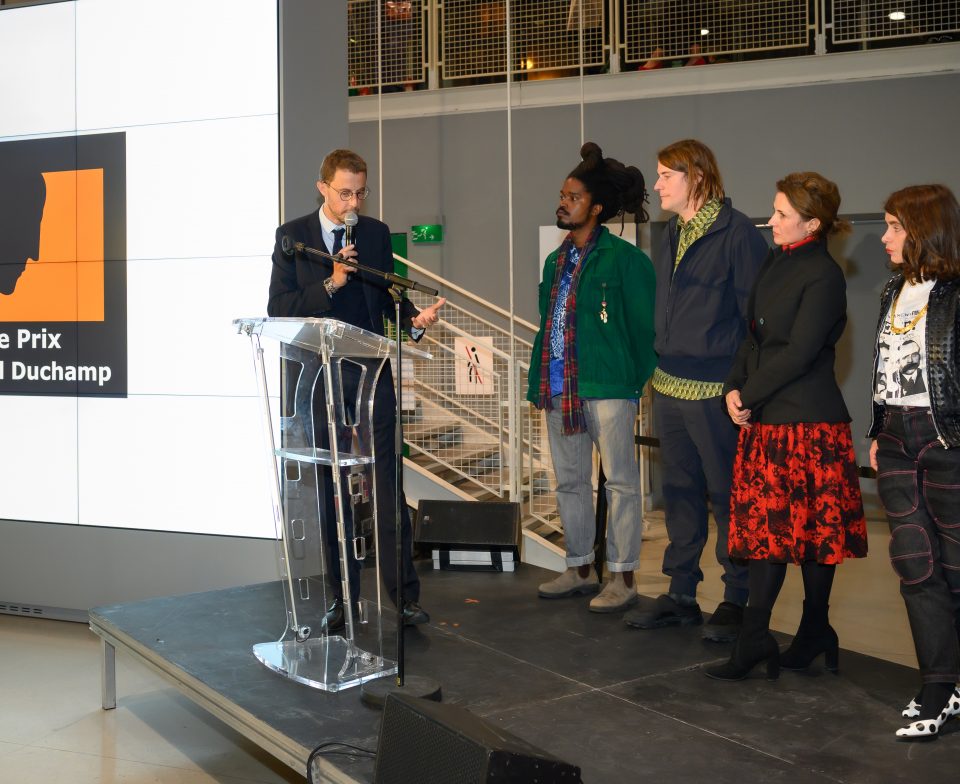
(804, 241)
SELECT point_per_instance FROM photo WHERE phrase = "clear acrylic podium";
(339, 365)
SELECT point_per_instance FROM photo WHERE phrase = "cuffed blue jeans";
(610, 426)
(698, 444)
(919, 485)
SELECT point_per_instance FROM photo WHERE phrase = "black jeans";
(698, 443)
(919, 484)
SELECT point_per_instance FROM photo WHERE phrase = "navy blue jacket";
(701, 307)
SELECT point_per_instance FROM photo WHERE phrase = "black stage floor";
(623, 704)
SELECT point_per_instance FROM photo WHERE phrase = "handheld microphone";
(350, 219)
(287, 245)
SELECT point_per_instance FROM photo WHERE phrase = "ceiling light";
(897, 16)
(704, 31)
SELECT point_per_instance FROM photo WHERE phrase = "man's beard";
(567, 224)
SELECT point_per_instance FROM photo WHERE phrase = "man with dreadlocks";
(591, 358)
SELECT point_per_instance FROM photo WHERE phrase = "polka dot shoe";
(912, 710)
(928, 729)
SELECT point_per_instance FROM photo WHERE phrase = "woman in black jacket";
(916, 423)
(795, 496)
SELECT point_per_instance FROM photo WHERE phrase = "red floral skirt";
(796, 495)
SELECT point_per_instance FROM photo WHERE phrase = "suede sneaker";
(569, 583)
(665, 611)
(724, 624)
(614, 597)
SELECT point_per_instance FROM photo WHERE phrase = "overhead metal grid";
(402, 32)
(658, 33)
(863, 21)
(545, 37)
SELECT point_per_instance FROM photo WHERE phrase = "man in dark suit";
(303, 286)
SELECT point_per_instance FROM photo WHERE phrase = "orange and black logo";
(63, 268)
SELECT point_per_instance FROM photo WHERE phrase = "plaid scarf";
(573, 421)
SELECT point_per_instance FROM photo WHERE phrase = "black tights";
(766, 579)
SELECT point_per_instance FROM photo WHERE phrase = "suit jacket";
(296, 290)
(296, 282)
(795, 315)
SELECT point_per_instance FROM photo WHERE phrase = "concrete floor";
(52, 728)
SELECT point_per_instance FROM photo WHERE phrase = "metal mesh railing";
(552, 38)
(463, 393)
(402, 32)
(540, 482)
(457, 419)
(466, 429)
(545, 36)
(862, 21)
(694, 31)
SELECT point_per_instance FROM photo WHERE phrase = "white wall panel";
(202, 189)
(38, 460)
(181, 338)
(160, 62)
(37, 63)
(174, 464)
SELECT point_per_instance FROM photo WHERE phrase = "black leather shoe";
(414, 614)
(664, 611)
(334, 619)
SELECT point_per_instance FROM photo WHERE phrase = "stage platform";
(623, 704)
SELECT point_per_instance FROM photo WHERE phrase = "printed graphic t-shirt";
(902, 370)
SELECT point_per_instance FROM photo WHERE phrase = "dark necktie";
(337, 241)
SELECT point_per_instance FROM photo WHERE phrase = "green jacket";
(615, 358)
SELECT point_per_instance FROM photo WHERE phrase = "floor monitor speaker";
(468, 525)
(431, 743)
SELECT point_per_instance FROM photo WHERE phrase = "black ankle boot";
(754, 645)
(814, 636)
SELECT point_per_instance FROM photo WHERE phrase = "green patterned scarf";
(696, 227)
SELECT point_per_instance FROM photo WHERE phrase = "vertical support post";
(431, 26)
(614, 36)
(108, 675)
(513, 413)
(820, 30)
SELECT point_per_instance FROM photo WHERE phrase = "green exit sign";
(428, 232)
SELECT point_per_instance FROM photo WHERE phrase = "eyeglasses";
(346, 193)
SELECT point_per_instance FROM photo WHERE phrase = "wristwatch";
(330, 287)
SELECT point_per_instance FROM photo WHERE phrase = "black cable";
(321, 749)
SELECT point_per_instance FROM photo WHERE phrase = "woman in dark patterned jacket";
(916, 423)
(796, 495)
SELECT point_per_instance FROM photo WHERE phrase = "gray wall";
(313, 103)
(871, 137)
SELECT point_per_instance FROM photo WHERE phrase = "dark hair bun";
(617, 187)
(592, 155)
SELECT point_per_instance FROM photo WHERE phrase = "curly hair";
(930, 216)
(618, 189)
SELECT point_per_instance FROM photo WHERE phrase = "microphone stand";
(375, 692)
(390, 277)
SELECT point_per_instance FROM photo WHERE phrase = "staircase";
(470, 434)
